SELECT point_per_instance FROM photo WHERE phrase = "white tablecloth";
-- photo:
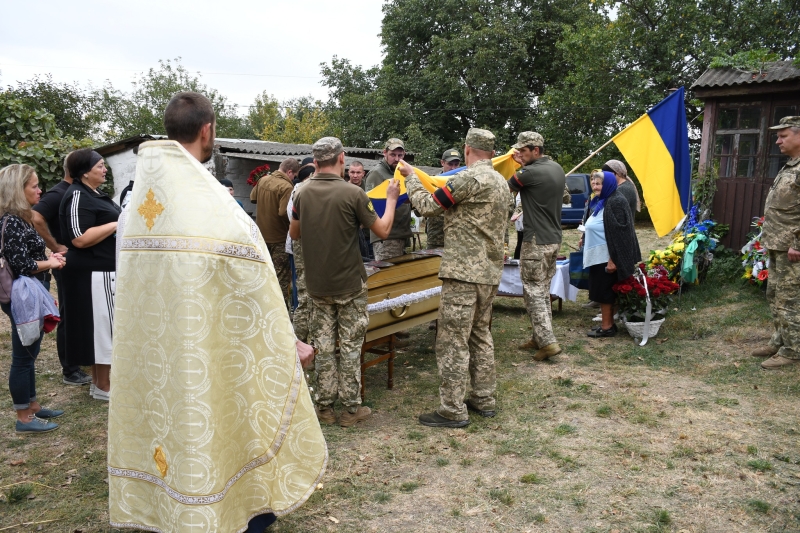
(511, 284)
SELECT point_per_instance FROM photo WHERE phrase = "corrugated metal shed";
(275, 148)
(727, 77)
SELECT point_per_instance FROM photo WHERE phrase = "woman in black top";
(25, 252)
(88, 227)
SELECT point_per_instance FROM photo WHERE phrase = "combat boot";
(777, 361)
(326, 415)
(548, 351)
(530, 345)
(765, 351)
(348, 419)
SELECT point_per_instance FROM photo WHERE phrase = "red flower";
(256, 174)
(641, 292)
(625, 289)
(757, 246)
(763, 275)
(656, 293)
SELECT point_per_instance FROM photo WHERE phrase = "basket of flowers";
(634, 293)
(256, 174)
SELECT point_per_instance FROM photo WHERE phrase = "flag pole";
(579, 165)
(688, 208)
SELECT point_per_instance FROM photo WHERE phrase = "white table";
(511, 284)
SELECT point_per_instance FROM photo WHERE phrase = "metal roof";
(369, 164)
(726, 77)
(275, 148)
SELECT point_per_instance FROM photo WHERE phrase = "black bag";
(6, 275)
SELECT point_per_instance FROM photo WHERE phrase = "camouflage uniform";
(388, 249)
(474, 203)
(300, 317)
(434, 231)
(539, 184)
(781, 232)
(348, 315)
(283, 269)
(394, 245)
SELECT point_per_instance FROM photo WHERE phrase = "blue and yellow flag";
(503, 164)
(656, 146)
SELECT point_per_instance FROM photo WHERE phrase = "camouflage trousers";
(434, 232)
(280, 260)
(389, 248)
(783, 294)
(464, 347)
(537, 268)
(300, 316)
(344, 318)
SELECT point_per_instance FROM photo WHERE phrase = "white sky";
(240, 47)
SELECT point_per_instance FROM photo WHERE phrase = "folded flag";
(656, 146)
(503, 164)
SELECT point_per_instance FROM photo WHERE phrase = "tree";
(72, 107)
(622, 64)
(142, 110)
(299, 120)
(30, 136)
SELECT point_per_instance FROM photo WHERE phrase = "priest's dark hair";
(186, 114)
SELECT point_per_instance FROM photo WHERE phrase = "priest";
(211, 426)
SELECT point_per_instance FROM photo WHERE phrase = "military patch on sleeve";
(444, 196)
(370, 207)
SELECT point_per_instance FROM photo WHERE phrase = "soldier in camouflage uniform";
(395, 244)
(327, 212)
(781, 237)
(474, 204)
(541, 184)
(434, 226)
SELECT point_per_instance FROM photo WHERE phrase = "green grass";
(761, 465)
(759, 506)
(603, 411)
(409, 486)
(531, 479)
(565, 429)
(501, 495)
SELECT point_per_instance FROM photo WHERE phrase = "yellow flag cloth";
(503, 164)
(210, 421)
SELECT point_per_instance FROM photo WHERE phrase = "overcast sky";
(240, 47)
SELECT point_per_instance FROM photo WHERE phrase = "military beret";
(480, 139)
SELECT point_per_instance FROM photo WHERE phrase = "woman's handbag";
(6, 276)
(578, 276)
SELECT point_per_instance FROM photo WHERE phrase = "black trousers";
(61, 331)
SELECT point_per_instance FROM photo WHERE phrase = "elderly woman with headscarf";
(611, 251)
(89, 227)
(624, 184)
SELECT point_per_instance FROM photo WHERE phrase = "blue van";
(580, 189)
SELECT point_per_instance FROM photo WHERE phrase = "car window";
(576, 184)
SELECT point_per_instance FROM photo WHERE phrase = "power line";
(140, 70)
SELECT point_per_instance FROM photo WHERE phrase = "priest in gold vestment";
(210, 421)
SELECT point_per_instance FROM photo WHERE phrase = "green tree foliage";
(142, 110)
(299, 120)
(30, 136)
(73, 108)
(617, 67)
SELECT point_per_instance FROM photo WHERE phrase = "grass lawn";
(684, 434)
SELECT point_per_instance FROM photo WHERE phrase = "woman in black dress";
(89, 226)
(24, 250)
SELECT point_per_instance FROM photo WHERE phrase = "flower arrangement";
(256, 174)
(632, 297)
(755, 259)
(701, 238)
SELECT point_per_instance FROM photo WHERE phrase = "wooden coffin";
(409, 274)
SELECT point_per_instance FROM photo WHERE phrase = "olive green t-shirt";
(330, 212)
(541, 188)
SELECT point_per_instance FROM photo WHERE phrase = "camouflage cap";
(451, 155)
(327, 148)
(480, 139)
(394, 143)
(787, 122)
(528, 138)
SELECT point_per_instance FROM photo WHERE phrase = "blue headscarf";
(609, 186)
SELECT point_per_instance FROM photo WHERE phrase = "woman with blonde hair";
(24, 250)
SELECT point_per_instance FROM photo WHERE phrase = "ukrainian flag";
(503, 164)
(656, 147)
